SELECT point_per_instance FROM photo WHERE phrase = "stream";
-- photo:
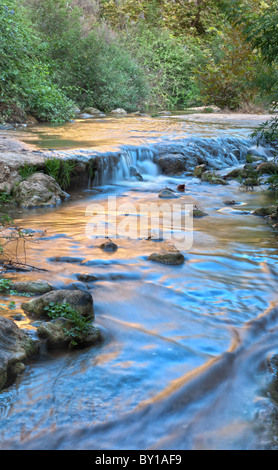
(184, 362)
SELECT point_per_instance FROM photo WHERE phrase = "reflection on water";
(111, 132)
(183, 362)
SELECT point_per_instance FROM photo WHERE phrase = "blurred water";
(183, 364)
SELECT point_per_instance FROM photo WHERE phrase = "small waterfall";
(216, 152)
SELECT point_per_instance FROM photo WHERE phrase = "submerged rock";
(171, 258)
(135, 173)
(198, 213)
(81, 301)
(167, 194)
(109, 246)
(16, 347)
(39, 190)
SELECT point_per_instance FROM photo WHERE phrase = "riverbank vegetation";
(57, 55)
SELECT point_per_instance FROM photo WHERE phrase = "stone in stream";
(265, 211)
(16, 347)
(55, 332)
(32, 287)
(210, 177)
(170, 258)
(109, 246)
(39, 190)
(230, 202)
(198, 213)
(167, 193)
(81, 301)
(270, 168)
(199, 170)
(181, 188)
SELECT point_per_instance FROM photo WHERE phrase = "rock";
(135, 173)
(268, 168)
(16, 347)
(118, 111)
(31, 120)
(79, 300)
(109, 246)
(167, 194)
(230, 202)
(85, 116)
(264, 211)
(181, 188)
(32, 287)
(198, 213)
(76, 110)
(39, 190)
(170, 258)
(172, 164)
(92, 111)
(256, 158)
(165, 113)
(77, 286)
(65, 259)
(237, 173)
(55, 334)
(87, 277)
(199, 170)
(212, 178)
(8, 178)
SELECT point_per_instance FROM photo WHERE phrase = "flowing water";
(184, 359)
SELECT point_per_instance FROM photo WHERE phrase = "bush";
(168, 63)
(26, 85)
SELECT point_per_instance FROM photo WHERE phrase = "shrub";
(60, 170)
(79, 325)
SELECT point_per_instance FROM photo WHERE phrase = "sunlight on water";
(181, 362)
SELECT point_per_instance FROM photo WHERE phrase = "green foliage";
(169, 64)
(251, 177)
(229, 78)
(5, 198)
(5, 286)
(79, 326)
(27, 170)
(267, 131)
(60, 170)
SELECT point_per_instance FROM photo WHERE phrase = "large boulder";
(81, 301)
(39, 190)
(16, 347)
